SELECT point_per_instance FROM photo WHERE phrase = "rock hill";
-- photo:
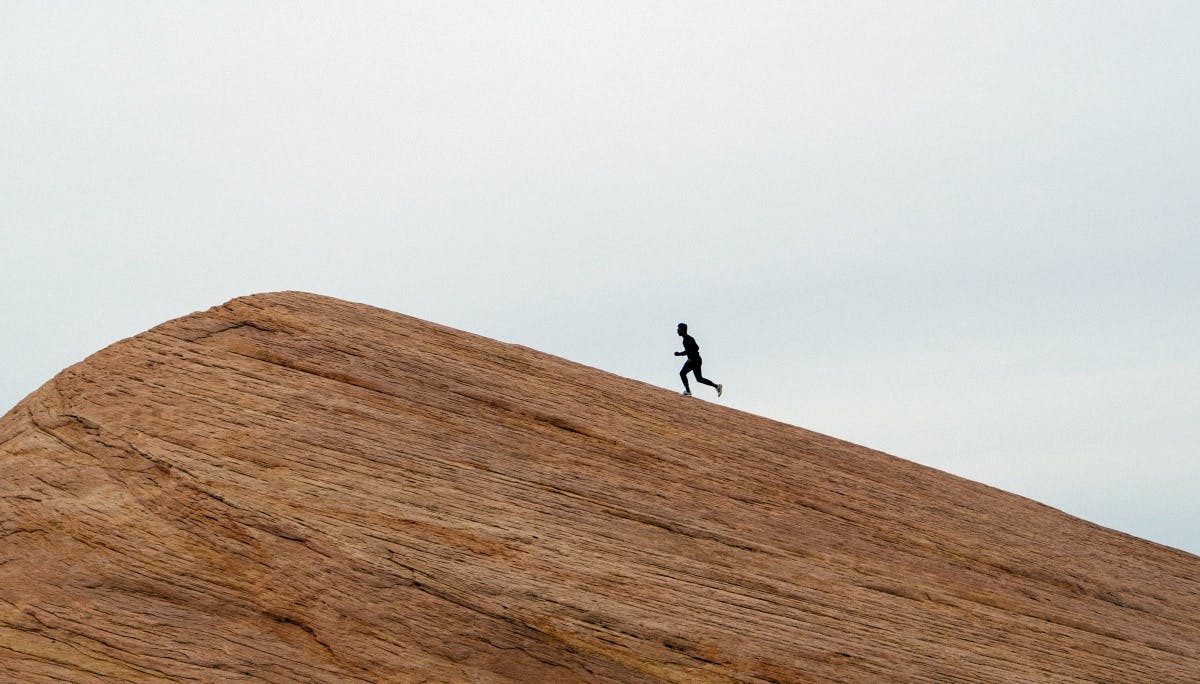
(291, 488)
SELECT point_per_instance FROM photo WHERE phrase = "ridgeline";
(292, 488)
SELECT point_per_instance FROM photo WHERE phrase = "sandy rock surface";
(291, 488)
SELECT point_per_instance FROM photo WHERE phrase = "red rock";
(291, 488)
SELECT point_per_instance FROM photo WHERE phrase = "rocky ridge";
(292, 488)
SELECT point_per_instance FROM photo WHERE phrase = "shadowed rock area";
(292, 488)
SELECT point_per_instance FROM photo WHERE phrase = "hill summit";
(293, 488)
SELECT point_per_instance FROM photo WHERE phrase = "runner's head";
(681, 329)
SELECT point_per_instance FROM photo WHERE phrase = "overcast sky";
(962, 233)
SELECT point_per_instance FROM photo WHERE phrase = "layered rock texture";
(292, 488)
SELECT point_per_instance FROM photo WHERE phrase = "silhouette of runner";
(692, 351)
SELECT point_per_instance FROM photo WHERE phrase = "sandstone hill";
(291, 488)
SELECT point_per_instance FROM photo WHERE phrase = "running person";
(692, 351)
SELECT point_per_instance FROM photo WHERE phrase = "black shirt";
(690, 348)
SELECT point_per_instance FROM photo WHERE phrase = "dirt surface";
(291, 488)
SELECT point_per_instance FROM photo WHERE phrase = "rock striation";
(292, 488)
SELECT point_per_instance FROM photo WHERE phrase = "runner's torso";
(690, 348)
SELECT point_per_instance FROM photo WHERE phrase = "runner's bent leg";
(687, 367)
(700, 378)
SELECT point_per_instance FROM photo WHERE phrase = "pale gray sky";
(963, 233)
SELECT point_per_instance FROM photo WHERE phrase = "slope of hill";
(292, 488)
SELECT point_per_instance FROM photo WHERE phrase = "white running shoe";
(686, 393)
(720, 388)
